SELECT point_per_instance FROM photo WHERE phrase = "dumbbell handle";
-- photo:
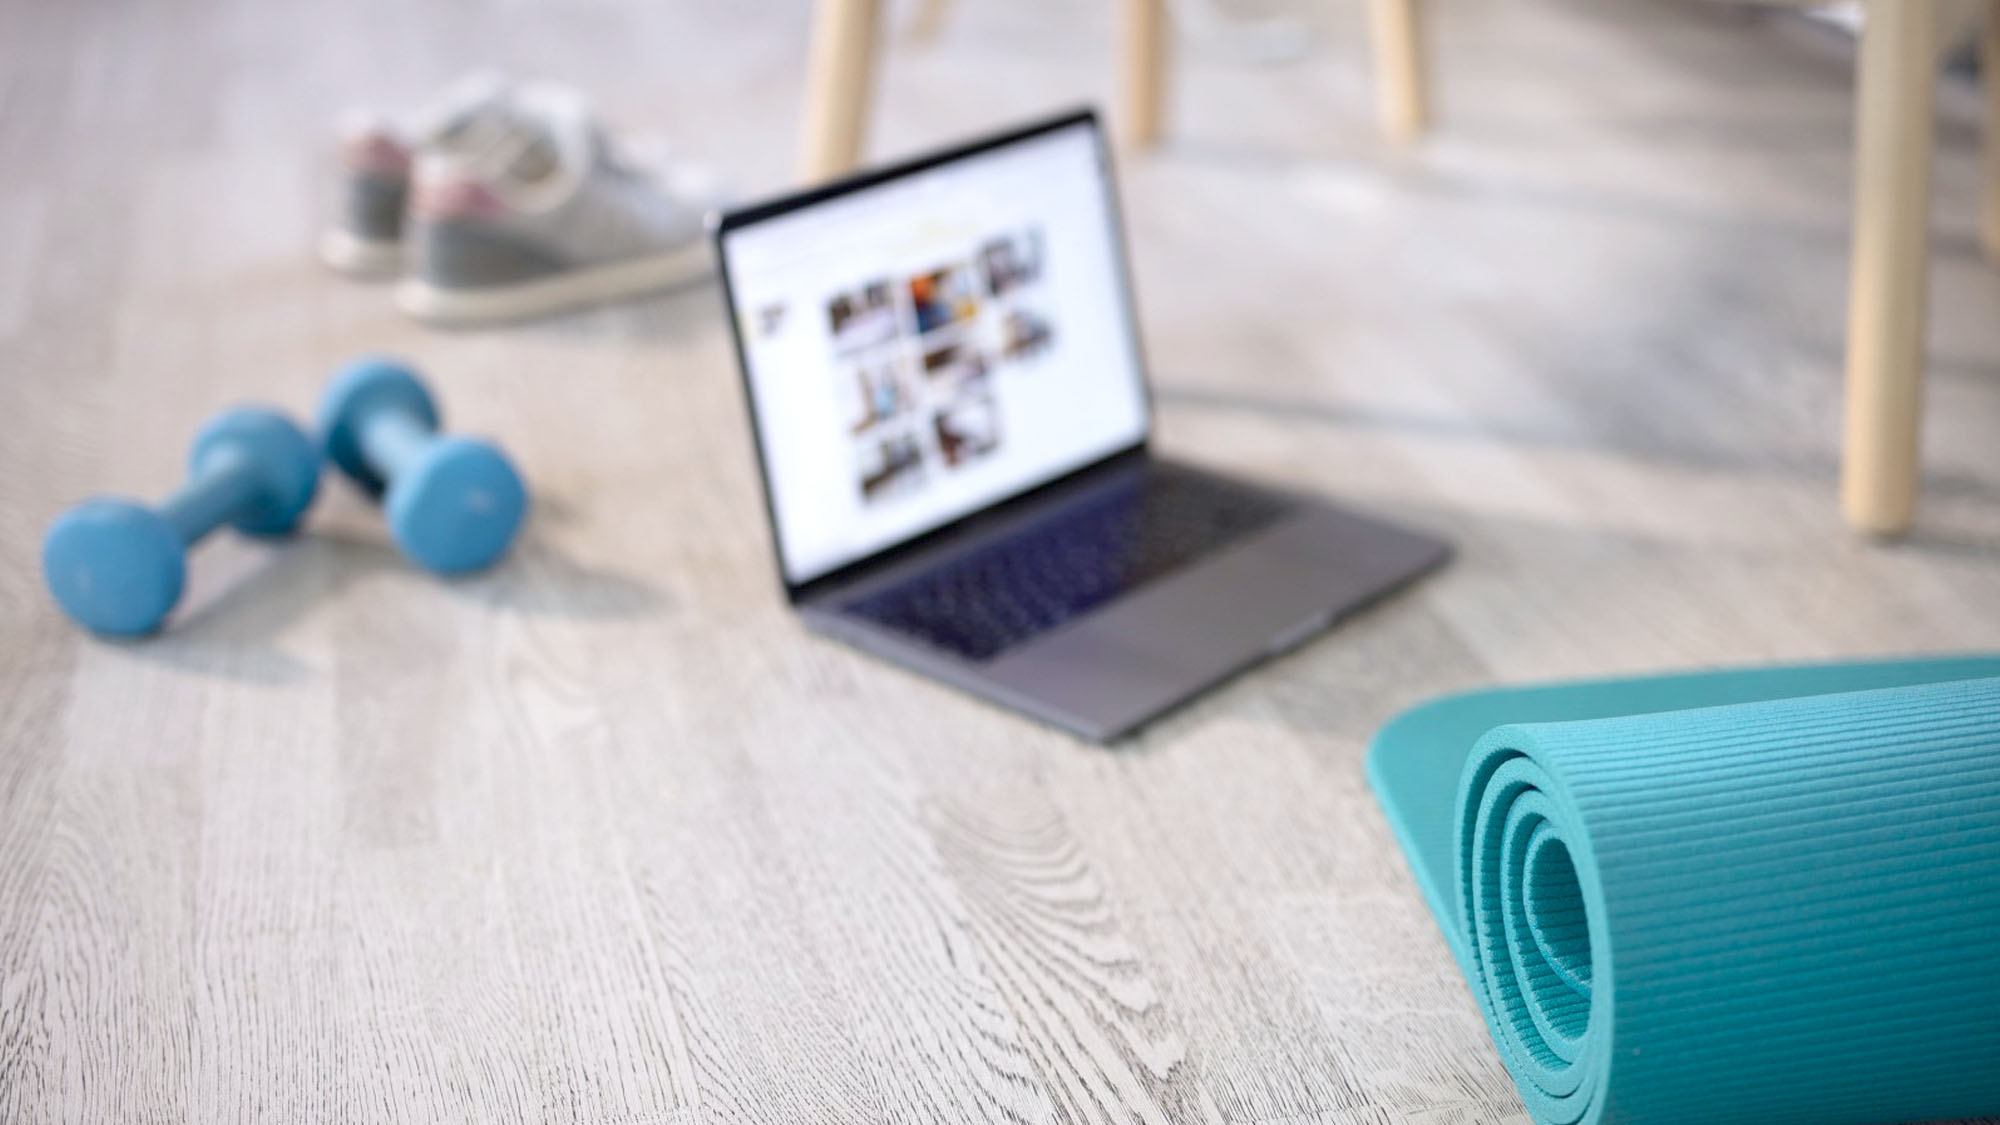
(391, 440)
(225, 483)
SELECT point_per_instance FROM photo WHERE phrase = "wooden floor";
(603, 836)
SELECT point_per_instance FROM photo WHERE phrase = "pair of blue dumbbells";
(453, 503)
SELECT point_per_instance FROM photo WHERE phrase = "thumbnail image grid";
(916, 358)
(1013, 264)
(861, 319)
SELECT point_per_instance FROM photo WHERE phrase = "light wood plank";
(605, 836)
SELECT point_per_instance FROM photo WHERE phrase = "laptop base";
(1106, 673)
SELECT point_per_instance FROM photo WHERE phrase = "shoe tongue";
(551, 145)
(468, 114)
(533, 162)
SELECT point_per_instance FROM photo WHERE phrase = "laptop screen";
(931, 344)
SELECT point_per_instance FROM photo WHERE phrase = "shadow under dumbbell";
(234, 631)
(539, 579)
(230, 623)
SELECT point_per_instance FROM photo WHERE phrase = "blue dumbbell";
(453, 503)
(117, 566)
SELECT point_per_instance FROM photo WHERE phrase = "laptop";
(949, 400)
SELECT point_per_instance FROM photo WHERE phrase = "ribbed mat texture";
(1772, 912)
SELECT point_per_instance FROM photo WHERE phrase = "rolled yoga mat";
(1782, 910)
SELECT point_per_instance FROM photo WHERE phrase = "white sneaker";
(376, 156)
(547, 219)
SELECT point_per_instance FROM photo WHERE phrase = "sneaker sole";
(357, 257)
(486, 304)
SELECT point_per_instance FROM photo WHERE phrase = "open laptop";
(945, 382)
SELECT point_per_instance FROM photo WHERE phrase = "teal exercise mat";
(1758, 896)
(1415, 759)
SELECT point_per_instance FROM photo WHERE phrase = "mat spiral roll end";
(1771, 912)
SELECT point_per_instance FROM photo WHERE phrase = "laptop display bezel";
(739, 218)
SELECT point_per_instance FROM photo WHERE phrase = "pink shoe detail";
(375, 151)
(456, 197)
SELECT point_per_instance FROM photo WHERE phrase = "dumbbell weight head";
(362, 390)
(287, 460)
(118, 566)
(457, 508)
(114, 566)
(455, 503)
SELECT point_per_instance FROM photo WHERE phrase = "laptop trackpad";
(1154, 646)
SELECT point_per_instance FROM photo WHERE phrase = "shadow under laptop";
(1340, 683)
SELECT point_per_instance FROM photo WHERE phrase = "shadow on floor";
(236, 632)
(673, 316)
(1831, 234)
(1797, 464)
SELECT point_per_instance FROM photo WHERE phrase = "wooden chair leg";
(1989, 77)
(1887, 299)
(1143, 43)
(840, 83)
(1401, 93)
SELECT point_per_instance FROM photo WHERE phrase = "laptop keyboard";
(983, 603)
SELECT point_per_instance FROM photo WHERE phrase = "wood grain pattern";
(604, 836)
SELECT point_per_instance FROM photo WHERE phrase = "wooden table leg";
(1401, 93)
(1887, 294)
(1989, 77)
(1143, 42)
(840, 83)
